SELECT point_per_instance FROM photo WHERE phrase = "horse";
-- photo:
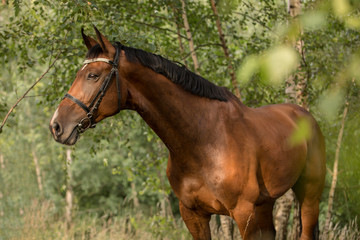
(224, 157)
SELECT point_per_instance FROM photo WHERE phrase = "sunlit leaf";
(274, 65)
(330, 103)
(352, 22)
(354, 69)
(302, 132)
(341, 7)
(278, 63)
(313, 20)
(247, 69)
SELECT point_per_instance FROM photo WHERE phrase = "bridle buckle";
(84, 124)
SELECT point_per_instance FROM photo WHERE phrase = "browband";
(87, 61)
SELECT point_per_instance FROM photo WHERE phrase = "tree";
(189, 36)
(225, 49)
(335, 173)
(69, 191)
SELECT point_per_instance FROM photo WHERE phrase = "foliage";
(123, 151)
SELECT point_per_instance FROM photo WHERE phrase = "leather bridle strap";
(78, 102)
(89, 119)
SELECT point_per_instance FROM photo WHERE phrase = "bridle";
(89, 120)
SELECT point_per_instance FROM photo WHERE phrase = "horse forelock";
(94, 52)
(176, 73)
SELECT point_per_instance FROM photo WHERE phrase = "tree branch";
(201, 46)
(258, 21)
(27, 91)
(160, 28)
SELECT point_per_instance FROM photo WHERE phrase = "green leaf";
(313, 20)
(330, 103)
(302, 132)
(341, 7)
(277, 63)
(247, 69)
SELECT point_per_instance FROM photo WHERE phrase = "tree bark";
(227, 227)
(225, 49)
(69, 191)
(282, 214)
(189, 36)
(134, 196)
(38, 171)
(181, 46)
(334, 174)
(295, 230)
(2, 162)
(297, 83)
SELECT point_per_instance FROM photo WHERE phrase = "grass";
(350, 231)
(40, 223)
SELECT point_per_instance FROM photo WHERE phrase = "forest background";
(112, 184)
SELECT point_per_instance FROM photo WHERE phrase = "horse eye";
(92, 76)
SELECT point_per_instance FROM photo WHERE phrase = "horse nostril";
(56, 129)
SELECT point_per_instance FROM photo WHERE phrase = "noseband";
(89, 120)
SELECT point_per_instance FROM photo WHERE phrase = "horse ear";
(89, 41)
(105, 44)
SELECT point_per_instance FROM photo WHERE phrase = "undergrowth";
(39, 222)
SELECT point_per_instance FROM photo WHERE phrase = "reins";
(89, 120)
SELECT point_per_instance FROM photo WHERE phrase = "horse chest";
(195, 190)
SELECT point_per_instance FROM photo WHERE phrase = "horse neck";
(178, 117)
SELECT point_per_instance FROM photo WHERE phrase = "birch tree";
(37, 170)
(225, 49)
(178, 33)
(334, 174)
(69, 191)
(189, 36)
(2, 162)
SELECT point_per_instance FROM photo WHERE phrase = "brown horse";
(224, 157)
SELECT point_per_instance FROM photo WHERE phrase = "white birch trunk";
(189, 36)
(2, 162)
(37, 170)
(225, 49)
(334, 174)
(69, 191)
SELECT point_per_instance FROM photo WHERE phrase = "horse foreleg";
(264, 219)
(198, 224)
(255, 222)
(244, 216)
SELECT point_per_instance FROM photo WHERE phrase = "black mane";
(180, 75)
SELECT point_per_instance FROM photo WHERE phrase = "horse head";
(95, 93)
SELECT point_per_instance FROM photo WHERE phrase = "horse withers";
(224, 157)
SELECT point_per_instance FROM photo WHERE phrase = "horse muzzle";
(67, 136)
